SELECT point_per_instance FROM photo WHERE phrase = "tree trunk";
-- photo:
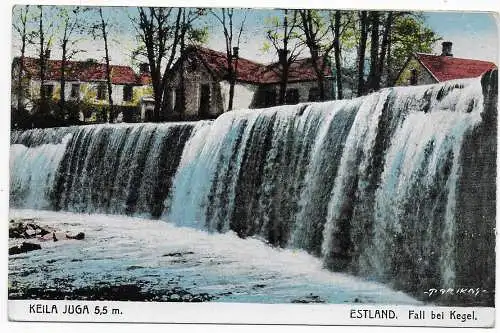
(361, 52)
(283, 84)
(374, 75)
(232, 79)
(108, 69)
(284, 60)
(182, 83)
(62, 99)
(321, 84)
(385, 47)
(337, 51)
(20, 88)
(43, 62)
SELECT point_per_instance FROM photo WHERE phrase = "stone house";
(206, 84)
(85, 81)
(423, 68)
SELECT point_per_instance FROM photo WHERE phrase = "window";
(75, 90)
(101, 91)
(313, 94)
(127, 93)
(292, 96)
(47, 90)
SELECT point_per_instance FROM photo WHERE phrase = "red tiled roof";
(253, 72)
(300, 70)
(81, 71)
(216, 62)
(445, 68)
(144, 78)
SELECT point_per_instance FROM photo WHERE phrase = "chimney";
(447, 49)
(144, 68)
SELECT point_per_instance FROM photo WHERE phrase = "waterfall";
(381, 186)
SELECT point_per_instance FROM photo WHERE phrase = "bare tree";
(103, 26)
(338, 52)
(159, 33)
(283, 35)
(225, 16)
(319, 35)
(22, 30)
(45, 34)
(71, 24)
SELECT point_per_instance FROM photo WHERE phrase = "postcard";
(236, 165)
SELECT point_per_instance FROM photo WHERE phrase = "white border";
(236, 309)
(251, 313)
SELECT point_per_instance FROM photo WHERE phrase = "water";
(159, 256)
(373, 186)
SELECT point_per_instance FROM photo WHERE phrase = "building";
(423, 68)
(84, 81)
(201, 71)
(204, 75)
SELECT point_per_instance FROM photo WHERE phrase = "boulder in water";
(78, 236)
(23, 248)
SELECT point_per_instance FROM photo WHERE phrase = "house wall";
(423, 75)
(88, 91)
(303, 89)
(194, 78)
(246, 95)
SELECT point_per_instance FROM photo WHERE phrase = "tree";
(284, 38)
(226, 18)
(21, 27)
(373, 82)
(385, 46)
(319, 36)
(408, 35)
(188, 35)
(102, 29)
(158, 31)
(45, 35)
(71, 24)
(342, 26)
(363, 33)
(394, 37)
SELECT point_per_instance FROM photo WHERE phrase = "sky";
(474, 35)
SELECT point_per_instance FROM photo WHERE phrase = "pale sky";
(474, 35)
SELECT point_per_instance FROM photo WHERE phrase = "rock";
(26, 228)
(309, 299)
(23, 248)
(78, 236)
(30, 232)
(175, 297)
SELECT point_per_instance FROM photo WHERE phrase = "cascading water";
(379, 186)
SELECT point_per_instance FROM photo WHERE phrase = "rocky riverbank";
(27, 234)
